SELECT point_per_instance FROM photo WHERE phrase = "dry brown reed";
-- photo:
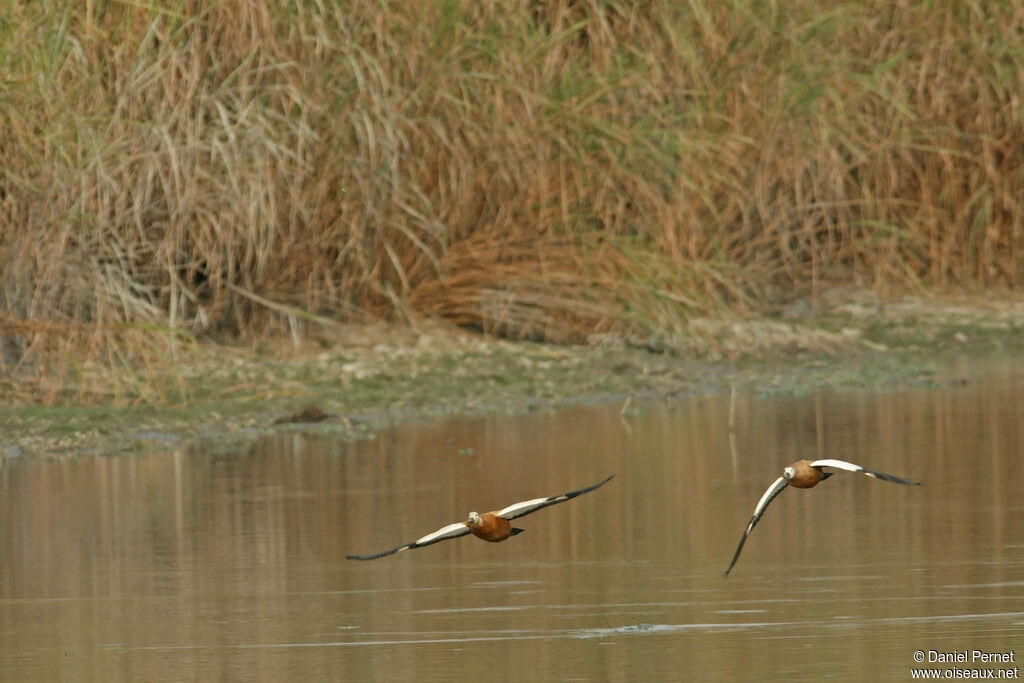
(534, 169)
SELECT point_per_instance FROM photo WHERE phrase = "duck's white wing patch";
(528, 506)
(838, 464)
(769, 495)
(444, 533)
(850, 467)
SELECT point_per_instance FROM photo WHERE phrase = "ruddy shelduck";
(490, 526)
(805, 474)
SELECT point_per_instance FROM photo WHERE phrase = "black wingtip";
(588, 489)
(515, 532)
(373, 556)
(725, 574)
(736, 556)
(901, 480)
(892, 478)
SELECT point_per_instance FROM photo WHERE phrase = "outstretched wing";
(442, 534)
(528, 506)
(850, 467)
(769, 495)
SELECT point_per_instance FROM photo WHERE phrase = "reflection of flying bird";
(490, 526)
(805, 474)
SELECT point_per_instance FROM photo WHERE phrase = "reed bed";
(548, 170)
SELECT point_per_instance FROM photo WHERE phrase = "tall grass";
(541, 169)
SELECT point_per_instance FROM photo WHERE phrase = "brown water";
(195, 566)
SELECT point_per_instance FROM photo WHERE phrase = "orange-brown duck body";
(804, 474)
(490, 527)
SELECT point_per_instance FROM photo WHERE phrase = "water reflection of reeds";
(210, 562)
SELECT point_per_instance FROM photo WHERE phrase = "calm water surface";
(191, 565)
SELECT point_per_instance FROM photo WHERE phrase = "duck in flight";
(805, 474)
(490, 526)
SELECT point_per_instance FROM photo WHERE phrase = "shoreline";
(367, 378)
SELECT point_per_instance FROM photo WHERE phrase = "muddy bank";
(352, 383)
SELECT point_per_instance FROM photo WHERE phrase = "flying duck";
(805, 474)
(490, 526)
